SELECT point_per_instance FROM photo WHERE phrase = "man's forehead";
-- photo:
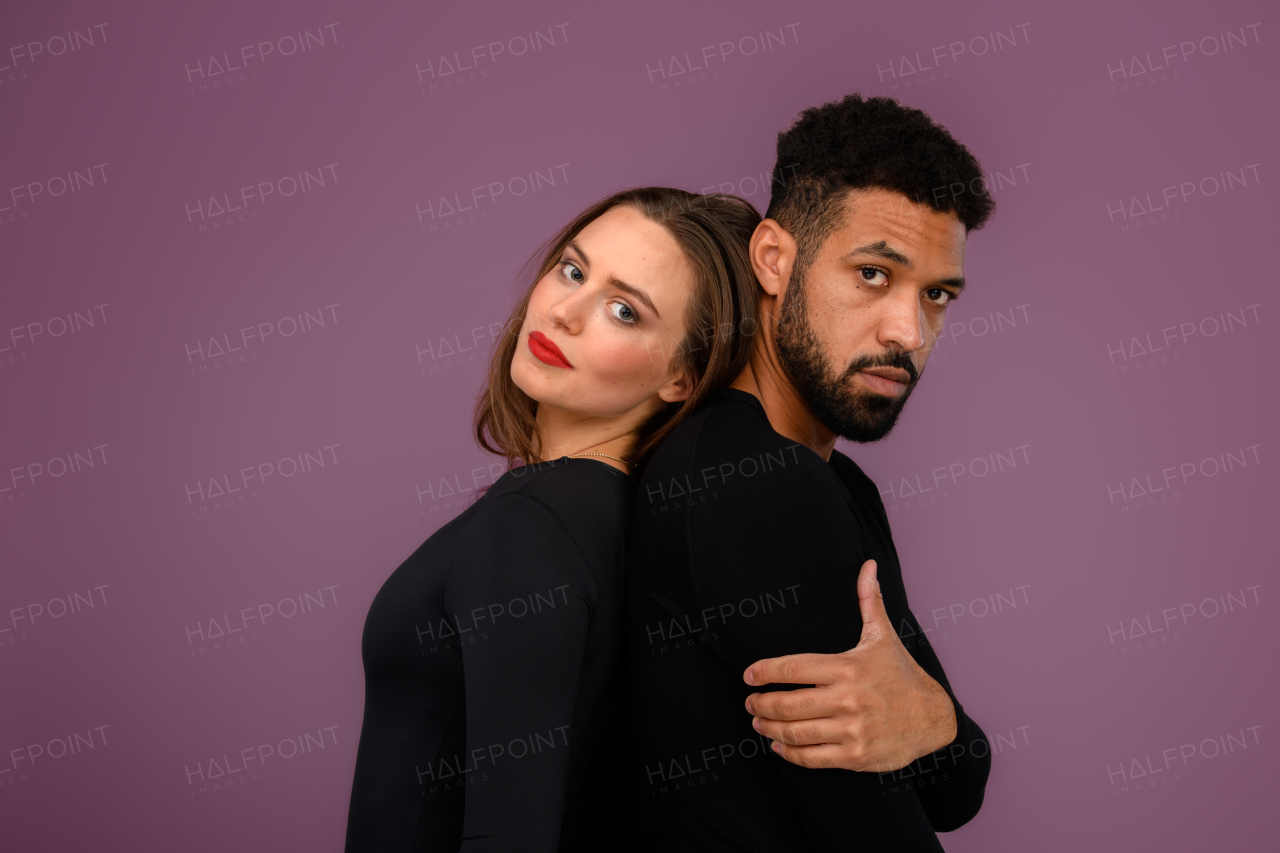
(892, 222)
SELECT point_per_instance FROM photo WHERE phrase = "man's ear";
(773, 254)
(678, 388)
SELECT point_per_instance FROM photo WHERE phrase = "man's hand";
(871, 708)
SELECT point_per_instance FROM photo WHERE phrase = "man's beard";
(861, 416)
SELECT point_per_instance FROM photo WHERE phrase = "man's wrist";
(947, 725)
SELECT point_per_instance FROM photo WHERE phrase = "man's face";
(857, 325)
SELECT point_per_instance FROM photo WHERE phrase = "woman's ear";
(678, 388)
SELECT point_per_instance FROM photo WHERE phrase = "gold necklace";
(605, 455)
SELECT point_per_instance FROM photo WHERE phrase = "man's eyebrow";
(636, 292)
(882, 250)
(618, 283)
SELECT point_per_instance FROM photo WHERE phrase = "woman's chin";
(526, 378)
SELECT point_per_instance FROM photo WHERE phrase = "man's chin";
(868, 417)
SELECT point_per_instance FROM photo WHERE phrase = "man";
(760, 558)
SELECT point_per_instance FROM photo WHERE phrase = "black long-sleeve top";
(746, 545)
(491, 661)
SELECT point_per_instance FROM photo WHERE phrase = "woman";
(491, 654)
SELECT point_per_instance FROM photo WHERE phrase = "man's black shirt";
(746, 545)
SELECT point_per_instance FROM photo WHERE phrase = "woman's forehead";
(624, 244)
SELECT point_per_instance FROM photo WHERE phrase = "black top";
(746, 545)
(491, 660)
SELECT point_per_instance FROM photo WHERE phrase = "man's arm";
(871, 709)
(876, 708)
(966, 759)
(773, 567)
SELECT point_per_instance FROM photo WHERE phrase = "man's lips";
(890, 381)
(545, 350)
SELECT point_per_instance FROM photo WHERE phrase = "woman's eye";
(572, 272)
(623, 312)
(869, 274)
(938, 296)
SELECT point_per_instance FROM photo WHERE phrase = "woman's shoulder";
(570, 513)
(572, 489)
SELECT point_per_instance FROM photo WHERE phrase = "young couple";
(674, 623)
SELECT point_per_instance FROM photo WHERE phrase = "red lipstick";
(545, 350)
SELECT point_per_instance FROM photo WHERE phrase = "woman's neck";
(565, 433)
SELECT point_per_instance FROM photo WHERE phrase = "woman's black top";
(491, 660)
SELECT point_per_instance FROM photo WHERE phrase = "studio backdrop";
(254, 257)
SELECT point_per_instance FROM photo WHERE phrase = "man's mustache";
(901, 360)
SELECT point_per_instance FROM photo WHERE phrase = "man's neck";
(787, 412)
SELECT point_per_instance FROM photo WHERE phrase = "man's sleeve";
(522, 589)
(774, 561)
(965, 763)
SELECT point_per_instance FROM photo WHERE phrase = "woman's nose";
(570, 311)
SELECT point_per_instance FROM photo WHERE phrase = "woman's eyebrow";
(617, 282)
(581, 254)
(636, 292)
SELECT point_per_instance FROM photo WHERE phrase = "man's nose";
(903, 322)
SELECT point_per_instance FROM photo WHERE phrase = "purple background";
(1051, 359)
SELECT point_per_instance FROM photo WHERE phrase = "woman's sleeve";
(521, 590)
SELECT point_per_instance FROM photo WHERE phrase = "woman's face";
(603, 324)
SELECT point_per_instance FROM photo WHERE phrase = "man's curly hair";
(854, 144)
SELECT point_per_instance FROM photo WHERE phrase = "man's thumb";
(875, 621)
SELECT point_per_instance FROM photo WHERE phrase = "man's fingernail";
(751, 676)
(751, 705)
(755, 723)
(775, 747)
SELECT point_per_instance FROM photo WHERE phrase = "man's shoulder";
(729, 427)
(862, 490)
(855, 479)
(728, 459)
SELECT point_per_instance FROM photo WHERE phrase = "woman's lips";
(545, 350)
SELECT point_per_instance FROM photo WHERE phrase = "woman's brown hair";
(713, 231)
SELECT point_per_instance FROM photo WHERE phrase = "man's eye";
(623, 312)
(869, 275)
(938, 296)
(572, 272)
